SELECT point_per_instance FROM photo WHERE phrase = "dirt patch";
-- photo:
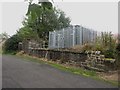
(113, 75)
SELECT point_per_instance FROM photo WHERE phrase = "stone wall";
(73, 58)
(62, 55)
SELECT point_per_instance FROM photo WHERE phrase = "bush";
(118, 47)
(98, 47)
(87, 47)
(11, 44)
(109, 53)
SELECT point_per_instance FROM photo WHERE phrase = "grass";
(109, 59)
(60, 66)
(10, 52)
(1, 50)
(74, 70)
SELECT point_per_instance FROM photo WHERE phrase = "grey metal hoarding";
(71, 36)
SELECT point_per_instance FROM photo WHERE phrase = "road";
(18, 73)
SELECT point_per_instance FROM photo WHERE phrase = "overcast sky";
(100, 16)
(0, 17)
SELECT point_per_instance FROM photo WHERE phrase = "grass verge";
(75, 70)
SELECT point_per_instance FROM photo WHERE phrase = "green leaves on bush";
(118, 47)
(109, 53)
(11, 44)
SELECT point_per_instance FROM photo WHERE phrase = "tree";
(26, 32)
(43, 17)
(4, 36)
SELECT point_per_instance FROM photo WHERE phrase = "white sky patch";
(64, 0)
(0, 47)
(0, 17)
(100, 16)
(13, 14)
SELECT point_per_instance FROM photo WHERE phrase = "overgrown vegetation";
(118, 56)
(44, 17)
(40, 19)
(11, 44)
(106, 43)
(4, 36)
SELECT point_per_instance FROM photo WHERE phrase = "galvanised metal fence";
(71, 36)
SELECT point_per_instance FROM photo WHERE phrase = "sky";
(13, 14)
(0, 17)
(99, 16)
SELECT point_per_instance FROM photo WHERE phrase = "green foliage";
(98, 47)
(40, 19)
(26, 32)
(106, 43)
(118, 47)
(108, 40)
(11, 44)
(118, 52)
(4, 36)
(43, 17)
(109, 53)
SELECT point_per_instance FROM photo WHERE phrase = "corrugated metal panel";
(71, 36)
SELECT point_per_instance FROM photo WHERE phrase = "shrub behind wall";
(11, 44)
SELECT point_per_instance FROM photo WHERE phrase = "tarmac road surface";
(17, 73)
